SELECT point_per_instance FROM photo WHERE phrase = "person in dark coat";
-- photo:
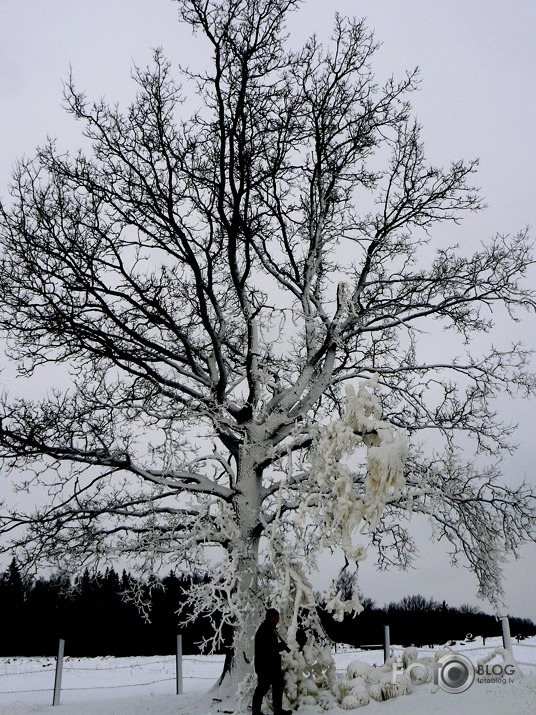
(268, 647)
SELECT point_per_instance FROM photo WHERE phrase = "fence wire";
(192, 659)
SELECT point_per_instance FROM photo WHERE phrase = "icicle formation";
(344, 502)
(340, 501)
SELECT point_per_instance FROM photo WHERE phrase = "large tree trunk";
(247, 506)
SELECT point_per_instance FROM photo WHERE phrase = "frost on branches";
(340, 506)
(337, 502)
(342, 503)
(204, 287)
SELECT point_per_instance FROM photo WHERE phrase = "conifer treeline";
(94, 617)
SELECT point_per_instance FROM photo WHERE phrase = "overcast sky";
(477, 99)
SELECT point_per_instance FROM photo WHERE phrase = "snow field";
(133, 686)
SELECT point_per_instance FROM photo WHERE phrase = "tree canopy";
(237, 297)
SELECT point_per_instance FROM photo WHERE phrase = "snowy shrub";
(326, 700)
(353, 693)
(308, 700)
(424, 673)
(387, 667)
(359, 669)
(309, 687)
(351, 702)
(394, 690)
(375, 691)
(308, 674)
(409, 656)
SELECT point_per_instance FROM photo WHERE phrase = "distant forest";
(423, 622)
(94, 616)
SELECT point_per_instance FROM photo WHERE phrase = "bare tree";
(213, 284)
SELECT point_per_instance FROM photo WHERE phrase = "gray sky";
(477, 99)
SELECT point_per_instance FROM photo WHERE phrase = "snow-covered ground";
(132, 686)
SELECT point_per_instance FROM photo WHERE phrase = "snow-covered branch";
(209, 285)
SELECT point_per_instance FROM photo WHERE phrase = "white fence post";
(506, 637)
(59, 671)
(386, 643)
(179, 664)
